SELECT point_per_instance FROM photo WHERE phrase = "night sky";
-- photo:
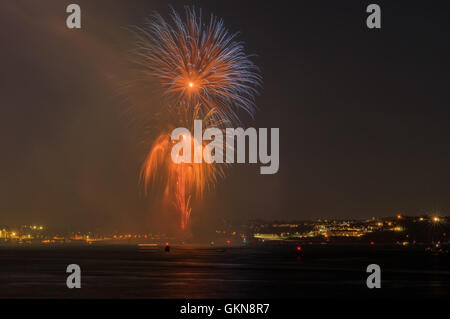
(363, 114)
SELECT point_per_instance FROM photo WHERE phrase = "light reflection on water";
(191, 272)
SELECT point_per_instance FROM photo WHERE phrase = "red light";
(167, 244)
(299, 248)
(372, 243)
(228, 241)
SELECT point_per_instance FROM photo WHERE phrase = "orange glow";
(181, 182)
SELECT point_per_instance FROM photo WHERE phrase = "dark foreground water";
(275, 271)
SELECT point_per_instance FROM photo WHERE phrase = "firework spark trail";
(204, 74)
(182, 199)
(181, 180)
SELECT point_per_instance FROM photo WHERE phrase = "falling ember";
(180, 181)
(182, 200)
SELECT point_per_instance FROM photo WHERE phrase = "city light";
(320, 230)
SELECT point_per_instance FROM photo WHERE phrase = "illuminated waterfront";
(398, 229)
(314, 259)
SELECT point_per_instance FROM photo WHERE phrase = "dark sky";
(363, 114)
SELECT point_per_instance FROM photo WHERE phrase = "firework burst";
(199, 62)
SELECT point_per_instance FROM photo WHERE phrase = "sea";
(266, 271)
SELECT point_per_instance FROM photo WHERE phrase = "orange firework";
(204, 74)
(180, 181)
